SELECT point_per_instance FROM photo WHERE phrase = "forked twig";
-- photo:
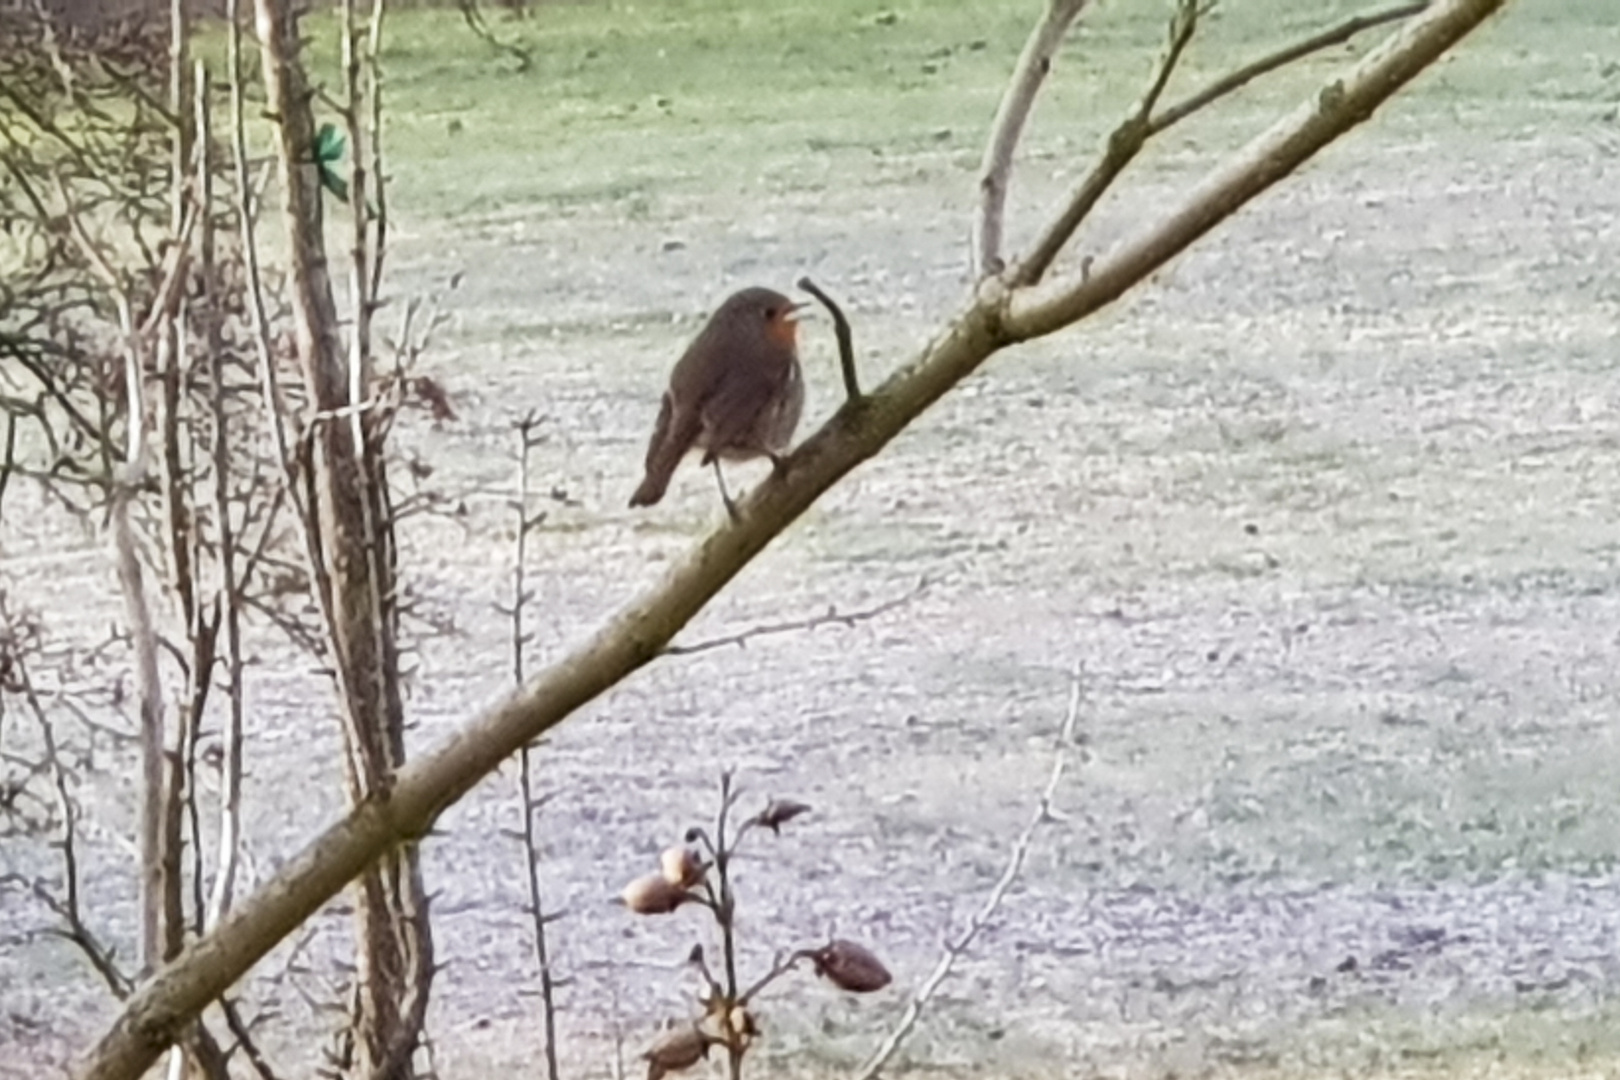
(231, 550)
(475, 22)
(245, 1041)
(1124, 143)
(784, 963)
(688, 878)
(275, 405)
(1236, 80)
(955, 947)
(67, 908)
(831, 617)
(846, 340)
(1339, 105)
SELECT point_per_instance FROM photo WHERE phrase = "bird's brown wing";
(735, 412)
(660, 433)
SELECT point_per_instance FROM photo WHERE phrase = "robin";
(736, 393)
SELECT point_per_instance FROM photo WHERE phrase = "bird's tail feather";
(672, 437)
(655, 483)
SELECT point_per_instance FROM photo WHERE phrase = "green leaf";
(335, 182)
(329, 145)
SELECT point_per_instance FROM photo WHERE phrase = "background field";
(1325, 511)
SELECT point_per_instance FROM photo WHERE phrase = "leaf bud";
(851, 967)
(677, 1049)
(681, 866)
(652, 895)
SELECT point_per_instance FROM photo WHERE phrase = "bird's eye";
(770, 313)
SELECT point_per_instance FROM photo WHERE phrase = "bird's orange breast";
(783, 332)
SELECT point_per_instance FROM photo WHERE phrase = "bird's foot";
(725, 496)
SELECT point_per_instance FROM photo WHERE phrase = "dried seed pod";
(743, 1027)
(779, 812)
(652, 895)
(681, 866)
(678, 1049)
(851, 967)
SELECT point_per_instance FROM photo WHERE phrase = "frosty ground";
(1324, 513)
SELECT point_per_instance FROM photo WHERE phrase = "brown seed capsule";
(851, 967)
(681, 866)
(652, 895)
(679, 1049)
(779, 812)
(743, 1028)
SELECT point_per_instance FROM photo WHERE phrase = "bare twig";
(783, 964)
(831, 617)
(181, 792)
(244, 1039)
(228, 855)
(214, 346)
(531, 844)
(725, 902)
(475, 22)
(149, 690)
(180, 102)
(9, 464)
(67, 907)
(955, 947)
(1340, 105)
(1034, 63)
(275, 406)
(616, 1022)
(372, 92)
(357, 119)
(1124, 143)
(1236, 80)
(846, 343)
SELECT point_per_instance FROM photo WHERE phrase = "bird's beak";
(799, 312)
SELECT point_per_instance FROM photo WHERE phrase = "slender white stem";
(955, 947)
(1008, 127)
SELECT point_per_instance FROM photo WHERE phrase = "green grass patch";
(632, 103)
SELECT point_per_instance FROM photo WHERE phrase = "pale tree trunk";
(352, 559)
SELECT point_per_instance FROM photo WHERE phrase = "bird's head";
(764, 311)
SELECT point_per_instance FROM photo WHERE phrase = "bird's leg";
(778, 462)
(725, 496)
